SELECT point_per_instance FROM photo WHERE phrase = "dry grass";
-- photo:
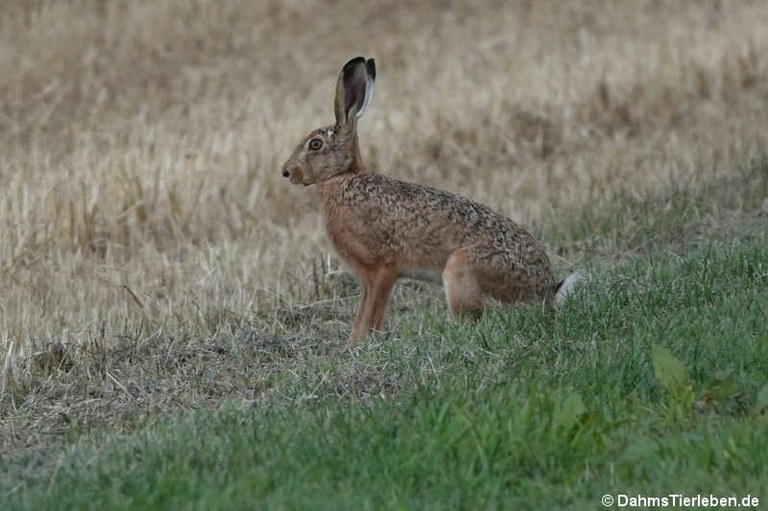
(140, 192)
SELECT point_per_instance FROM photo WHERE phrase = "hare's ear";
(354, 90)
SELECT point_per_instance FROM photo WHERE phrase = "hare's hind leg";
(511, 277)
(377, 286)
(462, 287)
(473, 273)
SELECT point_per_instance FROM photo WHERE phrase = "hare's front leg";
(365, 284)
(377, 286)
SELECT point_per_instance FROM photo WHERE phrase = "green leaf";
(669, 371)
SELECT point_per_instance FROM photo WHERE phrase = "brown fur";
(384, 228)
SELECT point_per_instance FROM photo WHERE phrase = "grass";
(140, 190)
(171, 310)
(651, 381)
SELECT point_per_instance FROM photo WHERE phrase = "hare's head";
(330, 151)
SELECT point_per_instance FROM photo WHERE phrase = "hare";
(385, 228)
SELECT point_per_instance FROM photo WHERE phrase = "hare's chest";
(360, 237)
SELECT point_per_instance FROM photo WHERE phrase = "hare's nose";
(286, 173)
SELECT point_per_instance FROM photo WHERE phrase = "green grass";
(629, 226)
(652, 381)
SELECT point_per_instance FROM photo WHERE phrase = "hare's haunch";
(385, 228)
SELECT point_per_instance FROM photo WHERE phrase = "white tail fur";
(568, 286)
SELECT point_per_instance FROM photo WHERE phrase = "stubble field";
(154, 261)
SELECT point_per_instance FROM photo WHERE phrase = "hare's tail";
(567, 286)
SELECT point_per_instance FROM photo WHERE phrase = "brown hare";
(385, 228)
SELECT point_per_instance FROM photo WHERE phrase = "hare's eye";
(315, 144)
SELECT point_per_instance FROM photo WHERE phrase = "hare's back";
(435, 219)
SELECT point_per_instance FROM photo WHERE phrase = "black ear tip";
(370, 67)
(352, 64)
